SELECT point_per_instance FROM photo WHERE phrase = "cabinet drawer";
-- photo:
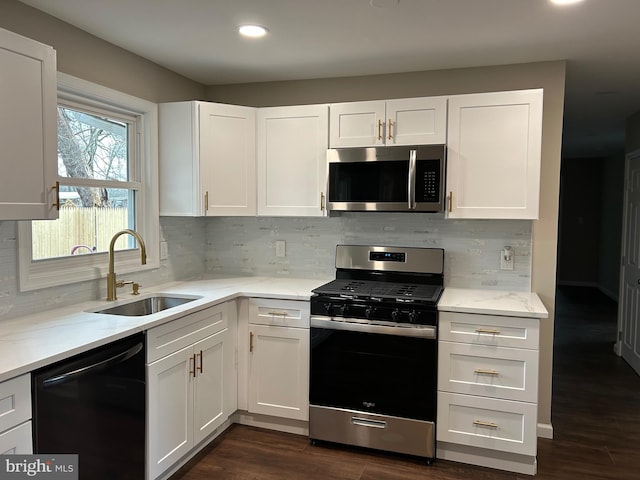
(518, 332)
(508, 373)
(15, 402)
(182, 332)
(487, 423)
(281, 313)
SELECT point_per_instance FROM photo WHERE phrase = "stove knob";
(343, 309)
(395, 315)
(369, 311)
(327, 307)
(413, 316)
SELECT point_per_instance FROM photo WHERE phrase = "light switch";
(280, 248)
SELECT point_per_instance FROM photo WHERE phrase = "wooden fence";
(78, 228)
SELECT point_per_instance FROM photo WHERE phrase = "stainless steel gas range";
(374, 349)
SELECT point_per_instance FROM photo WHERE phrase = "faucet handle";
(135, 288)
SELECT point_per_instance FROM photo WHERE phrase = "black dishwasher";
(93, 405)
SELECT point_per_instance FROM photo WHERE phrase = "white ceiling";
(600, 39)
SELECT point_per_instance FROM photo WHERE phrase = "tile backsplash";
(246, 246)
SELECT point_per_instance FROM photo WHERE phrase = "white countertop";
(492, 302)
(30, 342)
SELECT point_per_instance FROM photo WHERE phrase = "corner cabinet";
(494, 143)
(406, 121)
(192, 383)
(28, 132)
(488, 390)
(207, 159)
(292, 158)
(278, 382)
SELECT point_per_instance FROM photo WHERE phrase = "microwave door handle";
(412, 179)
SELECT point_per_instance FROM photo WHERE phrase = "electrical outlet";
(164, 251)
(280, 248)
(506, 258)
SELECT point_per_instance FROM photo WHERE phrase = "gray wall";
(87, 57)
(611, 209)
(579, 236)
(590, 232)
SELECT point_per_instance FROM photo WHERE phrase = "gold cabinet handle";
(192, 366)
(250, 342)
(322, 201)
(278, 314)
(491, 331)
(56, 187)
(199, 368)
(206, 201)
(480, 423)
(379, 129)
(482, 371)
(390, 137)
(450, 202)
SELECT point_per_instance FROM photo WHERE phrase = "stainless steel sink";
(146, 306)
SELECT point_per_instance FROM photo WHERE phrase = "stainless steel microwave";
(386, 179)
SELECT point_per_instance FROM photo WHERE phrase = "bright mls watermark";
(51, 467)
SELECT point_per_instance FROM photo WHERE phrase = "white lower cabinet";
(191, 391)
(278, 379)
(488, 390)
(15, 416)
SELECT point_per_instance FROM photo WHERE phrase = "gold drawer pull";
(482, 371)
(480, 423)
(279, 314)
(492, 331)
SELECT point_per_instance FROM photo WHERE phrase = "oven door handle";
(420, 332)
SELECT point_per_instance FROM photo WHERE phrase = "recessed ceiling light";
(565, 2)
(254, 31)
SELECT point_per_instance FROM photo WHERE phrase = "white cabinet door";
(17, 441)
(493, 154)
(214, 388)
(169, 410)
(28, 131)
(207, 159)
(228, 159)
(404, 121)
(416, 121)
(292, 158)
(279, 371)
(357, 124)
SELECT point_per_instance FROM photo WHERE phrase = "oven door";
(373, 386)
(386, 370)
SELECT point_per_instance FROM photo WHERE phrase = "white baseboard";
(545, 430)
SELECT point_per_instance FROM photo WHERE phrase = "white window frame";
(38, 274)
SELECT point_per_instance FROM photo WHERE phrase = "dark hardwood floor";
(596, 420)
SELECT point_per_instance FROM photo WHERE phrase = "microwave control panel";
(428, 181)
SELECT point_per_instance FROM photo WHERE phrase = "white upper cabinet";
(406, 121)
(493, 154)
(207, 159)
(27, 128)
(292, 159)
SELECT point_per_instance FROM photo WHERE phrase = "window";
(107, 171)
